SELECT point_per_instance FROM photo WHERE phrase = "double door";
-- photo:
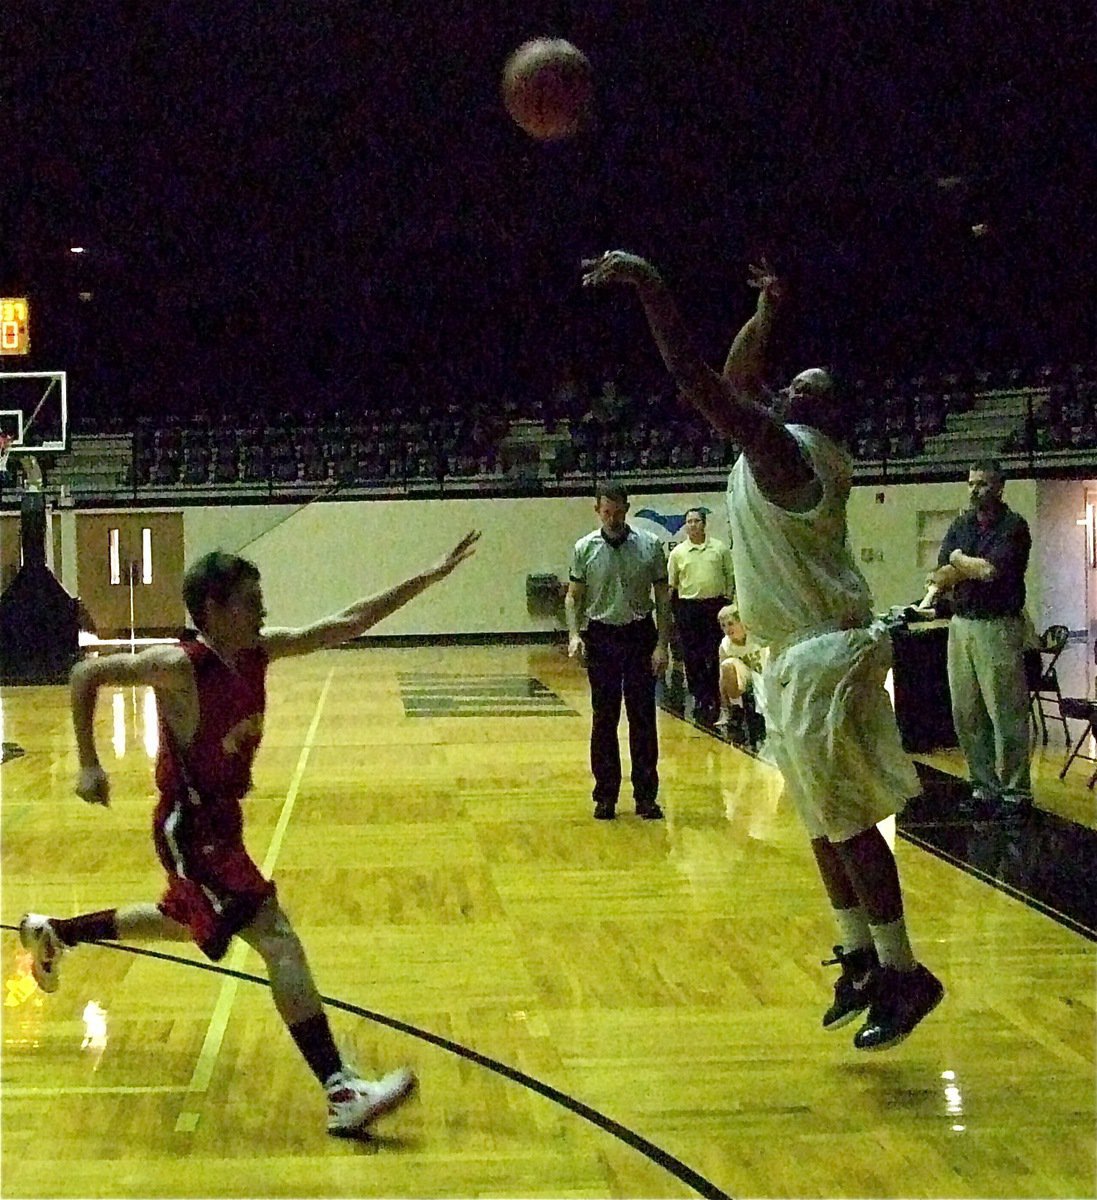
(130, 572)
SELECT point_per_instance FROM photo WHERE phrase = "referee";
(701, 583)
(614, 572)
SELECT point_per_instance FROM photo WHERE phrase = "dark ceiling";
(326, 200)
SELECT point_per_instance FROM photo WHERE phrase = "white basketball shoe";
(354, 1103)
(37, 935)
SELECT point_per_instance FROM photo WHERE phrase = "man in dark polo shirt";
(982, 564)
(614, 573)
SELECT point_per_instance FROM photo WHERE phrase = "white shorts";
(830, 726)
(743, 674)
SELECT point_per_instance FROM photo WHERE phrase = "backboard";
(34, 411)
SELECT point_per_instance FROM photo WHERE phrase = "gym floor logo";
(10, 750)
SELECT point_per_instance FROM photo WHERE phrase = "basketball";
(547, 88)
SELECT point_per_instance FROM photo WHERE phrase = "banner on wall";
(665, 516)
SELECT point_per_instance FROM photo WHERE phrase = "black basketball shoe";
(853, 988)
(900, 1000)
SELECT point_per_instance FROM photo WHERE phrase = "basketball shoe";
(354, 1103)
(37, 935)
(900, 1000)
(853, 988)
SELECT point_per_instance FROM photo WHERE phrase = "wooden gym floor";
(594, 1009)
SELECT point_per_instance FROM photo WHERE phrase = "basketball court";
(622, 1008)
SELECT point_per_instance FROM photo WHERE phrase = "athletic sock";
(893, 945)
(99, 926)
(314, 1040)
(853, 928)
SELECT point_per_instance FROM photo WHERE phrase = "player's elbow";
(742, 380)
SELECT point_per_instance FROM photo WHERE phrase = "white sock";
(893, 945)
(853, 928)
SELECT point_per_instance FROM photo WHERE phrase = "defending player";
(211, 697)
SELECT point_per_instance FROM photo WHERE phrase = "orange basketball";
(548, 88)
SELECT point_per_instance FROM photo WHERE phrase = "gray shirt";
(618, 579)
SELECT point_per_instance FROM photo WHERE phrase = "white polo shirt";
(618, 578)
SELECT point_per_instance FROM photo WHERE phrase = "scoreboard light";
(14, 325)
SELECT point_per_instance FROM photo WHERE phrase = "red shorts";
(214, 888)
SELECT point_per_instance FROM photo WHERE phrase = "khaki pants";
(986, 674)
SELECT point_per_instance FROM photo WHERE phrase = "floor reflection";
(1048, 861)
(1045, 860)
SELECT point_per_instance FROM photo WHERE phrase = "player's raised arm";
(363, 614)
(732, 402)
(747, 360)
(163, 668)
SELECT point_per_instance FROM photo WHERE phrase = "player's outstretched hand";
(93, 786)
(618, 266)
(771, 288)
(465, 548)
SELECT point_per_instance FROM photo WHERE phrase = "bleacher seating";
(897, 426)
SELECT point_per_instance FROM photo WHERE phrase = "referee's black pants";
(619, 664)
(699, 632)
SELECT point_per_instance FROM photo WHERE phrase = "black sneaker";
(649, 811)
(756, 727)
(604, 810)
(737, 731)
(853, 988)
(901, 999)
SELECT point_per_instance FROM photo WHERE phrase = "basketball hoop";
(6, 443)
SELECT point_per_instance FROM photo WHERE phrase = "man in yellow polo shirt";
(701, 581)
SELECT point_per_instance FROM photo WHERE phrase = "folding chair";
(1043, 682)
(1080, 710)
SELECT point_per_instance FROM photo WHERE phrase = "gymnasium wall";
(320, 558)
(1069, 582)
(896, 531)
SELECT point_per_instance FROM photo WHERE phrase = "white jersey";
(746, 652)
(794, 573)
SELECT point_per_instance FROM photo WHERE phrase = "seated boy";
(740, 661)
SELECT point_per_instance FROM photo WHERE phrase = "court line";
(203, 1072)
(652, 1152)
(215, 1034)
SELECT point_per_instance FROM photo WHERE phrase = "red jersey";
(213, 886)
(231, 703)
